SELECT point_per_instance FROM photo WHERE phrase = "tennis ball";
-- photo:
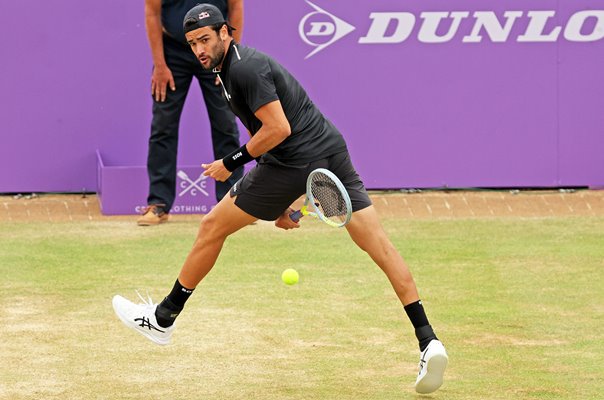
(290, 276)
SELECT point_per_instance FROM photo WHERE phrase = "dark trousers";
(163, 143)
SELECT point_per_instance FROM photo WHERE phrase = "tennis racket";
(326, 199)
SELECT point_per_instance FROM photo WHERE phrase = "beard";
(215, 60)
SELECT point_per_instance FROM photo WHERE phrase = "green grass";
(519, 303)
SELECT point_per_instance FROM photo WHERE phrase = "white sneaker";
(432, 364)
(141, 318)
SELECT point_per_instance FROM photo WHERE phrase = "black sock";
(423, 330)
(172, 305)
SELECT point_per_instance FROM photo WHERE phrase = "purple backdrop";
(505, 93)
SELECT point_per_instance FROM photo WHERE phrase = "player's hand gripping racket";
(326, 199)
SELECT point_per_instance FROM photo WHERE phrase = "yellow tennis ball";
(290, 276)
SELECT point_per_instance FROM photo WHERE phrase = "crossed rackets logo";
(193, 186)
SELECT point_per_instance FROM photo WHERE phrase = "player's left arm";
(285, 222)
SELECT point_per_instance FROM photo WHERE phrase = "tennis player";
(289, 139)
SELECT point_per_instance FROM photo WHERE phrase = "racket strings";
(328, 198)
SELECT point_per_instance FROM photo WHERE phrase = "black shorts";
(268, 189)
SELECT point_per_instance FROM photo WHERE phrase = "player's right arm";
(162, 76)
(275, 129)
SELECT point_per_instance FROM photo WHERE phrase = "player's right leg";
(224, 219)
(156, 321)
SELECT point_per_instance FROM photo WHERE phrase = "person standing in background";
(174, 66)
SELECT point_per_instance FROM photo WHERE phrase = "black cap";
(202, 15)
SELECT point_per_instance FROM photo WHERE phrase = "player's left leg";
(366, 231)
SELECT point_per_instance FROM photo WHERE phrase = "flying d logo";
(321, 29)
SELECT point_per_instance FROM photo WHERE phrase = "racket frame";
(311, 206)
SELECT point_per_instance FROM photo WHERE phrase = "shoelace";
(148, 301)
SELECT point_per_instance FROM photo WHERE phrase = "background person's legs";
(163, 143)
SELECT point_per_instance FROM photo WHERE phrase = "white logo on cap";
(334, 27)
(204, 14)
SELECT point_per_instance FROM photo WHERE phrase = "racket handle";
(296, 215)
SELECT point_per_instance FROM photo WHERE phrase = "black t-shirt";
(173, 13)
(253, 79)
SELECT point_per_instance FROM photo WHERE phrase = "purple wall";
(521, 107)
